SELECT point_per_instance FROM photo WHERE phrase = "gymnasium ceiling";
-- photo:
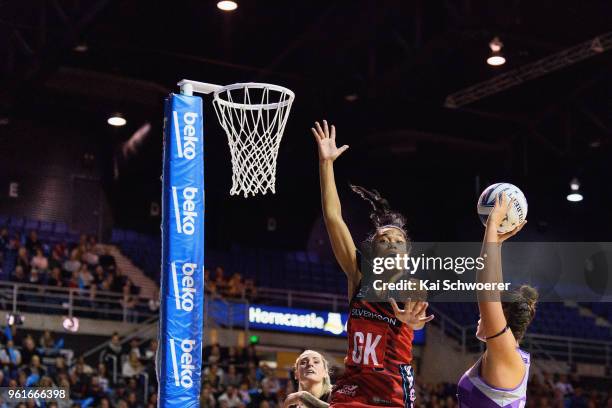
(398, 60)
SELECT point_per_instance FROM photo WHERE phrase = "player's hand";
(326, 141)
(498, 215)
(293, 399)
(414, 314)
(500, 209)
(502, 237)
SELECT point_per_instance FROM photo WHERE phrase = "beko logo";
(186, 140)
(183, 366)
(184, 289)
(185, 215)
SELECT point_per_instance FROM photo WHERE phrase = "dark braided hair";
(519, 309)
(381, 214)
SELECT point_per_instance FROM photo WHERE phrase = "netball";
(517, 213)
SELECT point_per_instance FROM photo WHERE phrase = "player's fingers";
(520, 227)
(342, 149)
(316, 134)
(410, 305)
(319, 130)
(421, 309)
(511, 203)
(427, 319)
(333, 132)
(396, 309)
(325, 128)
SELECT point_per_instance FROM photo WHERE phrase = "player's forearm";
(329, 193)
(492, 271)
(310, 401)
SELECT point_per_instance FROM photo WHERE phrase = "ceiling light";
(574, 184)
(496, 58)
(227, 5)
(496, 45)
(116, 119)
(575, 195)
(81, 47)
(351, 97)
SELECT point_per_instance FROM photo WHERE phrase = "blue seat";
(117, 236)
(313, 257)
(72, 237)
(45, 236)
(16, 223)
(131, 236)
(45, 226)
(31, 224)
(60, 228)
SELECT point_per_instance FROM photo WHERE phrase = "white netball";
(516, 215)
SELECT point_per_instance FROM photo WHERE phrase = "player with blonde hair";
(311, 371)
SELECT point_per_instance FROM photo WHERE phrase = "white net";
(253, 116)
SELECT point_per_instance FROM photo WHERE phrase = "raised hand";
(414, 314)
(326, 141)
(499, 213)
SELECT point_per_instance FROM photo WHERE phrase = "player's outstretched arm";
(492, 318)
(339, 234)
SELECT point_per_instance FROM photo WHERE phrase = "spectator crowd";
(234, 287)
(123, 375)
(84, 265)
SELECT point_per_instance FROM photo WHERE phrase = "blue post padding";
(182, 279)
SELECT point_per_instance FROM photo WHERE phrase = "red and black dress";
(378, 371)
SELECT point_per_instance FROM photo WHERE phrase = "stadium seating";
(554, 319)
(279, 269)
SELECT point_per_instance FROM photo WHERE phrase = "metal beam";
(530, 71)
(397, 137)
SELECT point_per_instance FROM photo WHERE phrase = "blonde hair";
(326, 388)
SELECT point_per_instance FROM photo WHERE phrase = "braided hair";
(381, 215)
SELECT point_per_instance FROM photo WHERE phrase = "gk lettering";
(364, 348)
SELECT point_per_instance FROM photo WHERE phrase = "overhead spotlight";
(575, 184)
(227, 5)
(496, 58)
(81, 47)
(595, 143)
(575, 195)
(352, 97)
(71, 324)
(116, 119)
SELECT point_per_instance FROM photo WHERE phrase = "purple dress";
(473, 392)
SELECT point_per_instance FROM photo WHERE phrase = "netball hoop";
(253, 116)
